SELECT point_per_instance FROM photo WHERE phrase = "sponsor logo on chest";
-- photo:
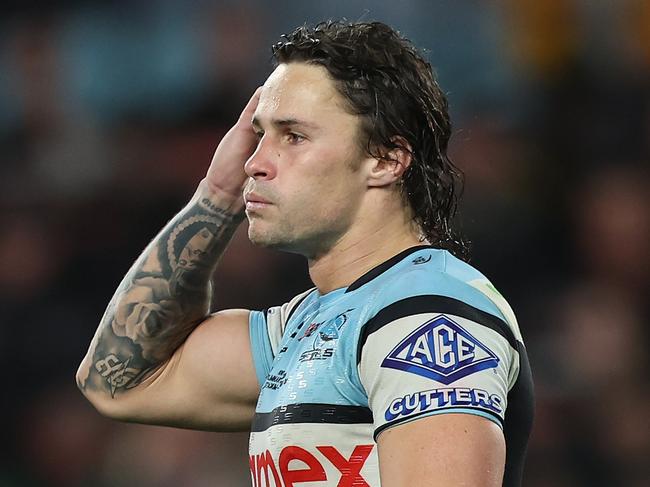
(295, 465)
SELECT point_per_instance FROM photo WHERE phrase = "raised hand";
(226, 172)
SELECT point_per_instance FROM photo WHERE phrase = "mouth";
(255, 202)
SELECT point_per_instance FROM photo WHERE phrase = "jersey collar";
(384, 266)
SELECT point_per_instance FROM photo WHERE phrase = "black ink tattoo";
(117, 373)
(161, 300)
(212, 208)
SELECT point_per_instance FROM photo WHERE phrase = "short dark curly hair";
(387, 82)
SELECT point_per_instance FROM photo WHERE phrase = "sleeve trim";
(260, 346)
(476, 412)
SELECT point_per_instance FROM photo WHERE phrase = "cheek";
(330, 199)
(323, 183)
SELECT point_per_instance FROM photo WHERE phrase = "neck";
(358, 251)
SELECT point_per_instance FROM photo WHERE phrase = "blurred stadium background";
(110, 111)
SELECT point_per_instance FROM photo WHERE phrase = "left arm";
(443, 450)
(438, 385)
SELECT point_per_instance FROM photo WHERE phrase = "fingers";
(247, 114)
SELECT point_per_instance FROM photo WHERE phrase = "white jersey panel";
(431, 363)
(276, 320)
(313, 455)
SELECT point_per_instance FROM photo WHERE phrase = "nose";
(260, 164)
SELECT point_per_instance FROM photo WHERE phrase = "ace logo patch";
(441, 350)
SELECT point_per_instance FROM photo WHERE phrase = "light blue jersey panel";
(314, 361)
(429, 272)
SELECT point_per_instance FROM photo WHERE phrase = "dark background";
(109, 114)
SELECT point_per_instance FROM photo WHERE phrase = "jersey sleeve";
(431, 355)
(266, 329)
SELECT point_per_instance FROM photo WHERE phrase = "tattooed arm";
(157, 357)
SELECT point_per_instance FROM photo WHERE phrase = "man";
(403, 365)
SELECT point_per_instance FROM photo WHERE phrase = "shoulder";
(439, 341)
(272, 321)
(266, 329)
(435, 281)
(282, 313)
(435, 300)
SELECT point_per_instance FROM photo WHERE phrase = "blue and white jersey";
(421, 334)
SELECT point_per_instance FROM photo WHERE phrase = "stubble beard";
(286, 238)
(267, 235)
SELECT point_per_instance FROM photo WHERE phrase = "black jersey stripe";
(312, 413)
(519, 421)
(432, 303)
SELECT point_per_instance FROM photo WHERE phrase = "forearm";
(162, 298)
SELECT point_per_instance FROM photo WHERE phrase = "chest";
(316, 361)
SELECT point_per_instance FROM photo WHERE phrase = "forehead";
(300, 91)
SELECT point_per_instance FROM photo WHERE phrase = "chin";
(262, 238)
(273, 241)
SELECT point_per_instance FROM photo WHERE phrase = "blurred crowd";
(109, 114)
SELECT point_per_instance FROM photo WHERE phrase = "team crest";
(326, 335)
(441, 350)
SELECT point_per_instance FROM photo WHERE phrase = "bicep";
(214, 374)
(209, 383)
(442, 450)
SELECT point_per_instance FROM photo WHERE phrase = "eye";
(294, 138)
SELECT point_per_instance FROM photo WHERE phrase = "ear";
(390, 167)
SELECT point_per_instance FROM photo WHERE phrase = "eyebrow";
(286, 122)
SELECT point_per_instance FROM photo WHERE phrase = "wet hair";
(387, 82)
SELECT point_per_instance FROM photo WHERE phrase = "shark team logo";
(326, 336)
(441, 350)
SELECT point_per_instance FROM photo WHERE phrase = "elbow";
(82, 378)
(105, 405)
(102, 402)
